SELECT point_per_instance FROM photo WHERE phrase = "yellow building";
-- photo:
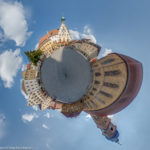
(109, 81)
(87, 48)
(71, 108)
(29, 74)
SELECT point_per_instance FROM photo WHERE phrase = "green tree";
(34, 56)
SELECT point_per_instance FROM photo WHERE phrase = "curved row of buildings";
(113, 86)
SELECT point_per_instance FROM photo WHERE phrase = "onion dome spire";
(63, 19)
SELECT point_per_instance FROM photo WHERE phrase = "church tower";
(63, 33)
(108, 129)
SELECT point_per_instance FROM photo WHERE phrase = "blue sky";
(116, 25)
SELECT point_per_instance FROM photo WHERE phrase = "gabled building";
(63, 33)
(54, 36)
(29, 74)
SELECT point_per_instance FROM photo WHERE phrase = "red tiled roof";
(28, 66)
(53, 32)
(93, 60)
(49, 34)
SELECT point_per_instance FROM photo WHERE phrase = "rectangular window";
(106, 94)
(112, 73)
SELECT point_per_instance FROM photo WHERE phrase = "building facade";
(39, 97)
(55, 105)
(115, 84)
(29, 74)
(30, 86)
(109, 81)
(87, 48)
(72, 108)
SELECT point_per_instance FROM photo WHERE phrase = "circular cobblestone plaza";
(66, 75)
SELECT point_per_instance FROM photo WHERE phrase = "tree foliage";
(34, 56)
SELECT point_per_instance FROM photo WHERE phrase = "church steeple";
(108, 129)
(63, 33)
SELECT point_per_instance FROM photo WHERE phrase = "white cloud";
(26, 96)
(36, 46)
(29, 117)
(2, 126)
(13, 22)
(23, 68)
(35, 107)
(88, 116)
(110, 116)
(106, 52)
(47, 115)
(10, 63)
(74, 34)
(45, 126)
(87, 33)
